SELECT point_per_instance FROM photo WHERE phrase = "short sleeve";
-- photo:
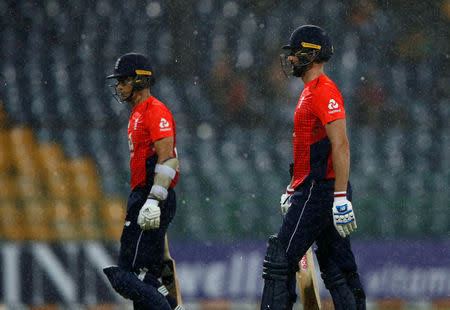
(328, 106)
(159, 122)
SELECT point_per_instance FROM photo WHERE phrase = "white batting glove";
(149, 215)
(285, 203)
(285, 200)
(343, 217)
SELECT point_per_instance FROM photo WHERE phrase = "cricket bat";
(307, 283)
(169, 274)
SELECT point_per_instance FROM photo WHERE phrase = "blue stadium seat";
(53, 72)
(73, 144)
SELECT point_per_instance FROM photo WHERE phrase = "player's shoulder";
(325, 87)
(156, 105)
(324, 83)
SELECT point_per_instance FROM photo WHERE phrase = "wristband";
(289, 190)
(159, 191)
(166, 170)
(340, 194)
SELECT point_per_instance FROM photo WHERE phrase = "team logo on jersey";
(164, 124)
(333, 106)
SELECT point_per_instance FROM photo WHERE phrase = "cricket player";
(317, 200)
(154, 174)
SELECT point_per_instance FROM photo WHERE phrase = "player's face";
(292, 64)
(124, 87)
(301, 61)
(296, 69)
(293, 60)
(287, 64)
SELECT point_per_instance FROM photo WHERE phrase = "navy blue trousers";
(144, 248)
(309, 220)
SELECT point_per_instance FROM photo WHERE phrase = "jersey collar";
(314, 82)
(144, 103)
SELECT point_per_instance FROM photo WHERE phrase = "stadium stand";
(63, 145)
(46, 196)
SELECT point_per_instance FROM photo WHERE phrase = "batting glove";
(285, 200)
(149, 215)
(343, 216)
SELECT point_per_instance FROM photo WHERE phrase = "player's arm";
(164, 149)
(343, 216)
(165, 171)
(340, 148)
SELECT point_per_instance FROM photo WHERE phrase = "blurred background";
(64, 158)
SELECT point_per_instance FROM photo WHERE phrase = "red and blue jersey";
(149, 121)
(320, 103)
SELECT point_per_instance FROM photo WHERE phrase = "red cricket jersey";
(320, 103)
(149, 121)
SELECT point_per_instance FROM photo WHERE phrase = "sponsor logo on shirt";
(164, 124)
(333, 107)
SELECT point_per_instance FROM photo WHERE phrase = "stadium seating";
(11, 221)
(5, 155)
(87, 219)
(44, 195)
(112, 212)
(63, 147)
